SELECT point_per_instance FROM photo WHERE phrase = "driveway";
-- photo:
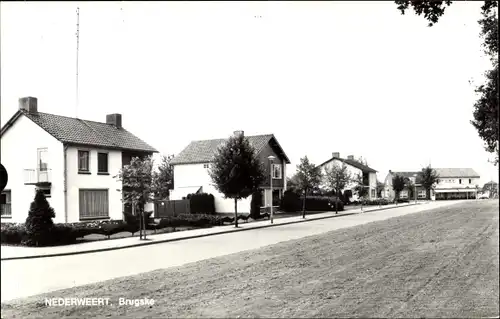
(22, 278)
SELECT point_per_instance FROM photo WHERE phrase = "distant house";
(191, 172)
(456, 183)
(71, 160)
(414, 177)
(452, 183)
(368, 174)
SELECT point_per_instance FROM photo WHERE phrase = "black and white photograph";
(249, 159)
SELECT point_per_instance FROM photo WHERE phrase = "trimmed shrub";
(39, 222)
(290, 202)
(255, 204)
(12, 233)
(202, 203)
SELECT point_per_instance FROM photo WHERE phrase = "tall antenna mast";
(77, 49)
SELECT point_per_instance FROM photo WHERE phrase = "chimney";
(336, 154)
(29, 104)
(350, 157)
(238, 133)
(114, 119)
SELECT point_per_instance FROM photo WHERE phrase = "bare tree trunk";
(304, 205)
(144, 222)
(337, 203)
(235, 213)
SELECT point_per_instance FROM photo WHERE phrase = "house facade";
(192, 164)
(417, 190)
(355, 168)
(456, 183)
(452, 183)
(73, 161)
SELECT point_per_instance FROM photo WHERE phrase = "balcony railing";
(37, 176)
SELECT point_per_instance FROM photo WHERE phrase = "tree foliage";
(236, 171)
(428, 179)
(398, 184)
(138, 185)
(337, 177)
(380, 188)
(410, 187)
(360, 188)
(164, 177)
(308, 178)
(485, 114)
(39, 222)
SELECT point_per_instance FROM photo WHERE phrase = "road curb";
(233, 230)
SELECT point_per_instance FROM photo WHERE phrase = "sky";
(356, 78)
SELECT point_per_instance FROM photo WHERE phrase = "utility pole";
(77, 52)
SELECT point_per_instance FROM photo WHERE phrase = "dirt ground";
(437, 263)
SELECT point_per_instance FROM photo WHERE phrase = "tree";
(308, 177)
(292, 184)
(337, 178)
(39, 222)
(398, 184)
(485, 114)
(380, 188)
(360, 189)
(164, 177)
(410, 187)
(138, 186)
(236, 171)
(428, 177)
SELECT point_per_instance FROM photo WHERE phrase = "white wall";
(453, 182)
(19, 152)
(76, 181)
(190, 175)
(372, 178)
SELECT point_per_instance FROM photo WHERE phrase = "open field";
(437, 263)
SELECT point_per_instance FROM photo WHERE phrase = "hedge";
(68, 233)
(201, 203)
(291, 202)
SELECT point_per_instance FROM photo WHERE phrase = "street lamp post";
(271, 160)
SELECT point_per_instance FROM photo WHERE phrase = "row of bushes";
(292, 202)
(68, 233)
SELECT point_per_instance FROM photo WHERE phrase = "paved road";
(22, 278)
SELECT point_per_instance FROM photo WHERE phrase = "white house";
(355, 168)
(72, 160)
(191, 172)
(452, 183)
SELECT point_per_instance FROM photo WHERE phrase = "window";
(94, 203)
(83, 161)
(437, 180)
(206, 165)
(5, 209)
(42, 159)
(421, 194)
(102, 163)
(276, 171)
(404, 194)
(460, 181)
(373, 193)
(470, 181)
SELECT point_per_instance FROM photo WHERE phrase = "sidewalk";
(19, 252)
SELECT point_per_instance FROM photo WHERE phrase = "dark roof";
(204, 150)
(82, 132)
(353, 163)
(408, 175)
